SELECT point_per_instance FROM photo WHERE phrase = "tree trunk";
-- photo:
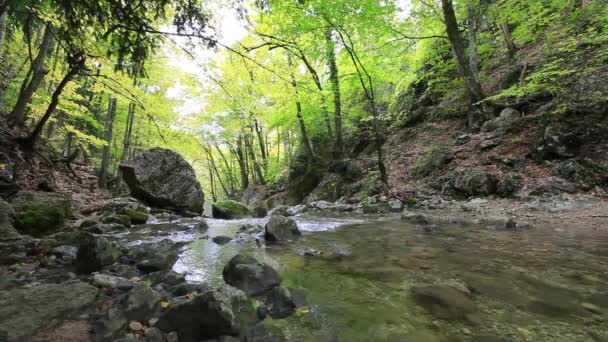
(334, 79)
(472, 85)
(128, 132)
(211, 160)
(78, 62)
(508, 38)
(18, 115)
(472, 34)
(254, 161)
(105, 156)
(227, 166)
(212, 183)
(242, 164)
(303, 132)
(263, 153)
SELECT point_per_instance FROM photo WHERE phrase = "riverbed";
(544, 283)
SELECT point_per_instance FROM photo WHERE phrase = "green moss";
(434, 160)
(137, 216)
(234, 209)
(376, 208)
(39, 213)
(411, 202)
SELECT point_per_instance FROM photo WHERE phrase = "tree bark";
(77, 63)
(472, 85)
(263, 154)
(128, 132)
(334, 79)
(38, 71)
(508, 38)
(472, 34)
(303, 132)
(105, 156)
(257, 169)
(227, 166)
(214, 166)
(368, 88)
(242, 163)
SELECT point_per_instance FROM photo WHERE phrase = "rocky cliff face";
(163, 179)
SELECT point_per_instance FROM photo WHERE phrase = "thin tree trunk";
(473, 87)
(227, 165)
(254, 162)
(219, 177)
(128, 131)
(242, 164)
(18, 115)
(368, 88)
(211, 181)
(303, 132)
(334, 78)
(105, 156)
(77, 64)
(263, 154)
(508, 38)
(472, 34)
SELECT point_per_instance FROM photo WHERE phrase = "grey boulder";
(281, 229)
(248, 274)
(163, 179)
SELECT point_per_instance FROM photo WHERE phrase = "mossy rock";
(38, 213)
(230, 209)
(376, 208)
(137, 216)
(432, 161)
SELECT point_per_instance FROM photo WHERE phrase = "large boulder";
(330, 189)
(281, 229)
(475, 182)
(25, 311)
(264, 332)
(7, 231)
(94, 253)
(248, 274)
(159, 256)
(229, 209)
(224, 311)
(502, 123)
(38, 213)
(162, 178)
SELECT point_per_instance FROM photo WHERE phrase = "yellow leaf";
(164, 305)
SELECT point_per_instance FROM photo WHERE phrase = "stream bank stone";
(230, 209)
(248, 274)
(25, 311)
(475, 182)
(224, 311)
(38, 213)
(281, 229)
(94, 253)
(164, 179)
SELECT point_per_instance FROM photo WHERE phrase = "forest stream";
(356, 274)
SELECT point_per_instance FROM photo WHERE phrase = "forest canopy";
(281, 84)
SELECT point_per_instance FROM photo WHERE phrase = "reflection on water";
(528, 285)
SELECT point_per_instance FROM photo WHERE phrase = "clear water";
(528, 285)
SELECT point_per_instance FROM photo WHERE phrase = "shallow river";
(537, 284)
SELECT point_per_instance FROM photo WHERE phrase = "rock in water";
(224, 311)
(253, 277)
(264, 332)
(164, 179)
(281, 229)
(37, 212)
(445, 302)
(25, 311)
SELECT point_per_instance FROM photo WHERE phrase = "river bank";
(441, 270)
